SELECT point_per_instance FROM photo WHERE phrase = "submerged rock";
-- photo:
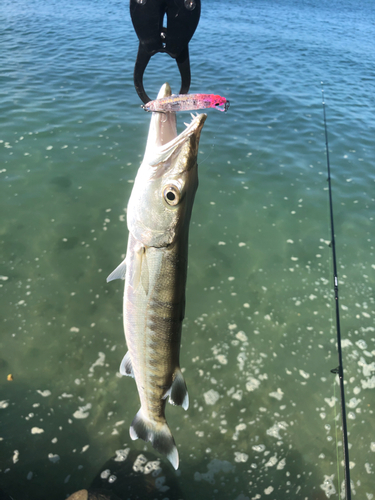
(91, 494)
(135, 475)
(4, 496)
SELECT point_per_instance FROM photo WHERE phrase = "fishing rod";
(339, 370)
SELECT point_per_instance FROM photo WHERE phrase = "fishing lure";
(187, 102)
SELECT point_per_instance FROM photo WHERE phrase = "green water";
(259, 337)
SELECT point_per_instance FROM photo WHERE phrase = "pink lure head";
(219, 103)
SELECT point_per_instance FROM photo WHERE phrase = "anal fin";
(126, 367)
(178, 394)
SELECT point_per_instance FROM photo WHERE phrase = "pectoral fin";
(140, 268)
(118, 273)
(178, 394)
(126, 367)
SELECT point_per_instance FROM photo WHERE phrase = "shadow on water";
(134, 475)
(61, 182)
(131, 475)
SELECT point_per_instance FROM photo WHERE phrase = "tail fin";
(158, 434)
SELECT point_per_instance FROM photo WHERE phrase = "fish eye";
(171, 195)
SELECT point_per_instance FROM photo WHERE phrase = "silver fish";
(155, 268)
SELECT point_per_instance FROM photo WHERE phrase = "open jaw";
(162, 138)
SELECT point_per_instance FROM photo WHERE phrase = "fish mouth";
(162, 138)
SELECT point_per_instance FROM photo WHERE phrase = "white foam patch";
(241, 336)
(271, 462)
(45, 393)
(330, 401)
(4, 404)
(16, 455)
(239, 428)
(238, 395)
(346, 343)
(252, 384)
(222, 359)
(122, 455)
(367, 368)
(240, 457)
(259, 447)
(139, 463)
(37, 430)
(328, 486)
(368, 468)
(353, 403)
(277, 394)
(211, 397)
(274, 431)
(153, 468)
(65, 395)
(281, 464)
(82, 412)
(106, 473)
(361, 344)
(369, 383)
(53, 458)
(98, 362)
(241, 358)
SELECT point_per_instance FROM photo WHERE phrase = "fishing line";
(339, 370)
(205, 156)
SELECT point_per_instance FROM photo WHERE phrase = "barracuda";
(155, 269)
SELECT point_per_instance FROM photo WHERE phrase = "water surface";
(259, 335)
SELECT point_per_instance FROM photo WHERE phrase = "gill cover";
(163, 194)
